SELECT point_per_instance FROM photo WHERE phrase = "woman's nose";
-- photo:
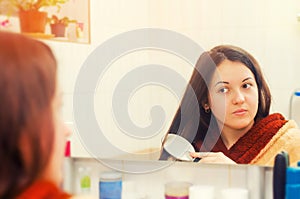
(238, 98)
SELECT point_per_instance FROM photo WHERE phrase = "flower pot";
(58, 29)
(32, 21)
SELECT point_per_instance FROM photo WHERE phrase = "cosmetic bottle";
(177, 190)
(292, 188)
(294, 113)
(201, 191)
(67, 183)
(85, 180)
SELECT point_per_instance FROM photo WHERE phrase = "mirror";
(122, 87)
(199, 21)
(136, 110)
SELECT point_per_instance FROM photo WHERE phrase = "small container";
(177, 190)
(110, 185)
(230, 193)
(292, 188)
(201, 191)
(294, 113)
(85, 180)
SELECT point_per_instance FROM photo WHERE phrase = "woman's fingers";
(199, 154)
(212, 157)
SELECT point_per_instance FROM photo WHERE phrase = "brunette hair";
(27, 87)
(197, 123)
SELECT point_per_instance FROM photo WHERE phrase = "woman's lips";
(240, 112)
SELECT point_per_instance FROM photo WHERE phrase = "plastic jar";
(177, 190)
(110, 185)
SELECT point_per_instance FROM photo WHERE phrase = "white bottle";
(294, 112)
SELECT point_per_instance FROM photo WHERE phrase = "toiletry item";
(293, 175)
(287, 158)
(110, 185)
(279, 175)
(177, 190)
(85, 179)
(292, 191)
(68, 169)
(230, 193)
(201, 191)
(292, 188)
(130, 190)
(294, 114)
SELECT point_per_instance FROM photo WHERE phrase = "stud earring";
(206, 108)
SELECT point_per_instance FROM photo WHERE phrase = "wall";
(267, 29)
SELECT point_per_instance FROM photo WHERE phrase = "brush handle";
(279, 176)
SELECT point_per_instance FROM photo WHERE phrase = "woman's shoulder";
(287, 138)
(290, 127)
(289, 133)
(290, 140)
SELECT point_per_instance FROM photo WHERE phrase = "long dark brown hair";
(27, 87)
(197, 123)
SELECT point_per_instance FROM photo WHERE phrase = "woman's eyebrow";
(247, 79)
(221, 82)
(224, 82)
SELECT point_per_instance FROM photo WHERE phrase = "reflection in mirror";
(188, 20)
(178, 147)
(225, 114)
(229, 115)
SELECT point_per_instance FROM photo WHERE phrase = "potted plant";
(32, 18)
(58, 25)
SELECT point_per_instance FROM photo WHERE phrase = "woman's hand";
(212, 157)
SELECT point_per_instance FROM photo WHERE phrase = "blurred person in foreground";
(32, 134)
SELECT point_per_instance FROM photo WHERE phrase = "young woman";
(32, 134)
(230, 120)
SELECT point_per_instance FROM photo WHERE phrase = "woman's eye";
(223, 90)
(246, 85)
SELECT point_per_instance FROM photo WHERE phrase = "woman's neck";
(230, 136)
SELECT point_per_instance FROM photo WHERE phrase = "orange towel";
(252, 143)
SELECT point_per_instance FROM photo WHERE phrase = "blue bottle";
(292, 189)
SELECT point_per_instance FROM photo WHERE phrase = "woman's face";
(233, 96)
(54, 171)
